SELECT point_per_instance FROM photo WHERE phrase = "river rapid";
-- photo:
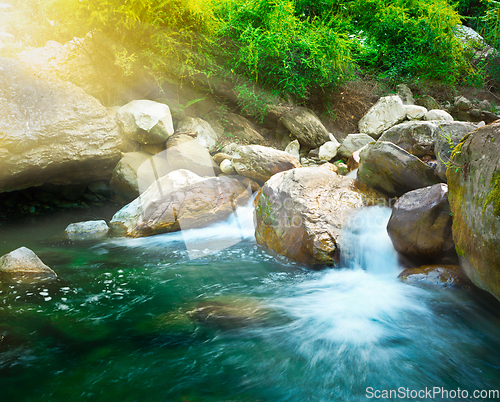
(209, 315)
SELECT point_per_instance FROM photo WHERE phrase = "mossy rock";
(474, 195)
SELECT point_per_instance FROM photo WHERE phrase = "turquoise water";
(138, 320)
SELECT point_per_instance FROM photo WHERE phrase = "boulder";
(448, 135)
(475, 204)
(52, 132)
(414, 112)
(462, 103)
(354, 142)
(127, 218)
(70, 62)
(300, 213)
(293, 148)
(436, 114)
(438, 275)
(145, 121)
(420, 224)
(405, 94)
(328, 150)
(415, 137)
(484, 105)
(124, 181)
(306, 127)
(23, 265)
(189, 154)
(205, 134)
(428, 102)
(88, 229)
(392, 170)
(197, 205)
(240, 128)
(387, 112)
(260, 163)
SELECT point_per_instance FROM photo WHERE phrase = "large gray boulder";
(353, 142)
(145, 121)
(392, 170)
(241, 129)
(52, 132)
(184, 152)
(300, 213)
(415, 137)
(23, 265)
(448, 135)
(420, 224)
(205, 134)
(306, 127)
(127, 218)
(260, 163)
(474, 185)
(387, 112)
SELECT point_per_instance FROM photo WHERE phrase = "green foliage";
(411, 38)
(268, 42)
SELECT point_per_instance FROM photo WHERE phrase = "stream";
(209, 315)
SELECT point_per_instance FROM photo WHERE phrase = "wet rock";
(387, 112)
(440, 275)
(127, 218)
(436, 114)
(306, 127)
(420, 224)
(405, 94)
(354, 142)
(475, 203)
(428, 102)
(145, 121)
(88, 229)
(260, 163)
(99, 187)
(23, 265)
(447, 136)
(415, 112)
(197, 205)
(392, 170)
(300, 213)
(415, 137)
(205, 134)
(242, 129)
(66, 138)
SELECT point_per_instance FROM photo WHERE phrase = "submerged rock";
(88, 229)
(420, 224)
(474, 185)
(260, 163)
(392, 170)
(440, 275)
(23, 265)
(300, 213)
